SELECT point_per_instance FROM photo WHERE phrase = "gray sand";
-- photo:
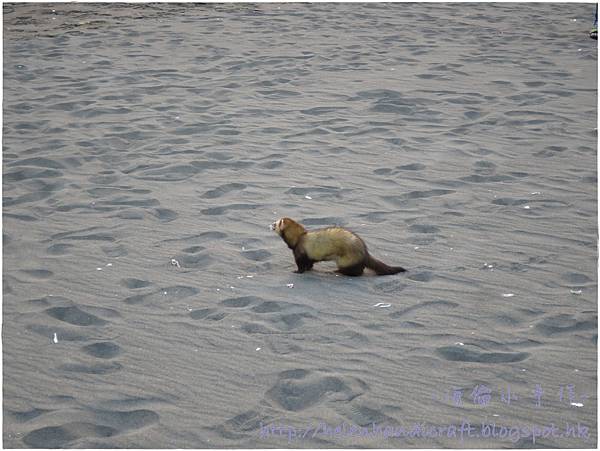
(458, 140)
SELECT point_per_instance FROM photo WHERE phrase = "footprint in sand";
(36, 274)
(134, 284)
(259, 316)
(93, 424)
(299, 389)
(59, 249)
(76, 316)
(102, 350)
(209, 314)
(469, 353)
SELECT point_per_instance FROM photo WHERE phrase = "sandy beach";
(146, 150)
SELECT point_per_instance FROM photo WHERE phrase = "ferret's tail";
(381, 268)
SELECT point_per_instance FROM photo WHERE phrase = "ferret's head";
(289, 230)
(280, 225)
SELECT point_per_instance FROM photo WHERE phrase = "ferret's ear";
(283, 222)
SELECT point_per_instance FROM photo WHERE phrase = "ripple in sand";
(465, 354)
(412, 167)
(208, 314)
(164, 214)
(175, 292)
(133, 284)
(30, 173)
(216, 211)
(241, 425)
(324, 221)
(28, 415)
(363, 415)
(576, 278)
(194, 260)
(423, 228)
(193, 249)
(563, 324)
(98, 424)
(222, 190)
(38, 273)
(76, 316)
(240, 302)
(102, 350)
(258, 255)
(438, 306)
(59, 249)
(99, 368)
(62, 334)
(421, 276)
(62, 436)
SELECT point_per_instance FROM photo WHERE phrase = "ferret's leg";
(304, 263)
(354, 270)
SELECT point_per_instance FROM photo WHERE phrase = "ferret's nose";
(272, 226)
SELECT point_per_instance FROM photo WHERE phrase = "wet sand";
(146, 149)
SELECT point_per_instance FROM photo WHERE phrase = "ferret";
(347, 249)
